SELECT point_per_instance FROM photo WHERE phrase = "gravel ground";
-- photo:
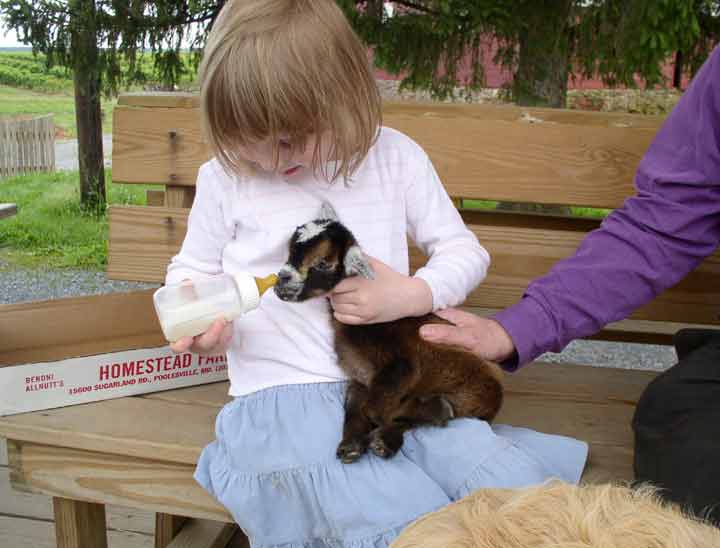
(21, 285)
(648, 357)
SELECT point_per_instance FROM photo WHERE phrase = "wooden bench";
(140, 452)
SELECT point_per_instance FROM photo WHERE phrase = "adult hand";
(483, 337)
(215, 340)
(389, 296)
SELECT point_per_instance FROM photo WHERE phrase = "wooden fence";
(27, 145)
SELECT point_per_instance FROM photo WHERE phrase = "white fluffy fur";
(310, 230)
(558, 515)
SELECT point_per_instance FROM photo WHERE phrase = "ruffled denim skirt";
(273, 466)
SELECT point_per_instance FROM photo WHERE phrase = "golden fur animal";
(398, 380)
(559, 515)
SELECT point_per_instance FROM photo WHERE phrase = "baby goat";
(398, 380)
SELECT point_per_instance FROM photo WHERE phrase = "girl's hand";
(483, 337)
(387, 297)
(215, 340)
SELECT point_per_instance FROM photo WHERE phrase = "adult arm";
(642, 248)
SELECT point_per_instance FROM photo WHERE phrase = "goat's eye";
(323, 265)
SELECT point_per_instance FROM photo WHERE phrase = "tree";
(101, 42)
(689, 59)
(540, 41)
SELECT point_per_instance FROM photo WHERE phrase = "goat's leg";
(387, 440)
(357, 426)
(388, 391)
(427, 410)
(480, 397)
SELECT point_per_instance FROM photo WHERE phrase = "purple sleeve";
(643, 247)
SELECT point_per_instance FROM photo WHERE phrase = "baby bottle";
(189, 308)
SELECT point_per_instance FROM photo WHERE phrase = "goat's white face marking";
(291, 288)
(309, 230)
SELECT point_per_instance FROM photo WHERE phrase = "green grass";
(25, 103)
(590, 212)
(51, 229)
(479, 204)
(587, 212)
(28, 88)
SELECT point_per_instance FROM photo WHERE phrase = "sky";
(9, 40)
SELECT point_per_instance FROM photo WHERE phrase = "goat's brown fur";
(398, 380)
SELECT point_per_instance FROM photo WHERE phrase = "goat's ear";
(356, 263)
(327, 211)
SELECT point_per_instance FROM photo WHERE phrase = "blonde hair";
(558, 515)
(290, 68)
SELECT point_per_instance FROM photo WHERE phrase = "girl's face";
(290, 162)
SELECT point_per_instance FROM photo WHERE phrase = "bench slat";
(39, 508)
(507, 112)
(594, 422)
(487, 154)
(144, 239)
(521, 254)
(114, 479)
(608, 463)
(520, 162)
(574, 382)
(211, 395)
(126, 426)
(120, 321)
(579, 382)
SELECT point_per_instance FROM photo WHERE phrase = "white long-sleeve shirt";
(244, 224)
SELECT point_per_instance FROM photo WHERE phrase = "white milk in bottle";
(190, 307)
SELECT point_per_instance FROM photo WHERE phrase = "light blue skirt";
(273, 466)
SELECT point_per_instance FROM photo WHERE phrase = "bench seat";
(141, 451)
(121, 452)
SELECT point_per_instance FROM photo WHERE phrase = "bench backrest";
(482, 152)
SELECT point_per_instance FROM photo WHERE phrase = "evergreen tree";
(540, 41)
(91, 38)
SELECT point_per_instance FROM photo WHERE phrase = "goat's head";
(322, 253)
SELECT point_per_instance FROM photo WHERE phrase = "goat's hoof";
(350, 451)
(382, 448)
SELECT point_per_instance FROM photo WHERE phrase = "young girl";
(292, 113)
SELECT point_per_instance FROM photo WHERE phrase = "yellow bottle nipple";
(263, 284)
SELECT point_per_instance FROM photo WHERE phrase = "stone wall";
(607, 100)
